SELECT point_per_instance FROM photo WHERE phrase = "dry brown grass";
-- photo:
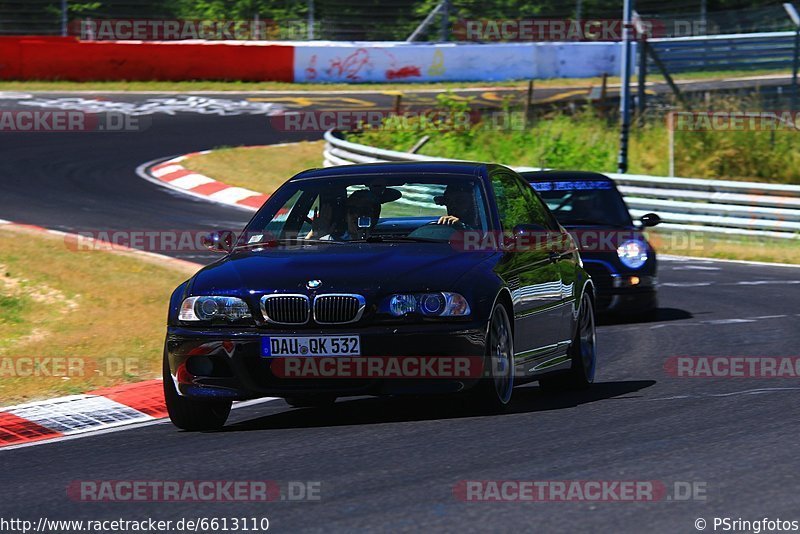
(106, 311)
(261, 169)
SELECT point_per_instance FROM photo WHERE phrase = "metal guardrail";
(688, 204)
(748, 51)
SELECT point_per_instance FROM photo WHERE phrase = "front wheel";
(495, 389)
(583, 353)
(191, 414)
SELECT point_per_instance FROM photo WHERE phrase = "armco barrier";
(690, 204)
(66, 58)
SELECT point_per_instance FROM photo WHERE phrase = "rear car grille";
(338, 308)
(285, 309)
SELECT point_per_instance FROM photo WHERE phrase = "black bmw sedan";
(616, 253)
(357, 280)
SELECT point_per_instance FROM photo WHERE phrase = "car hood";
(364, 268)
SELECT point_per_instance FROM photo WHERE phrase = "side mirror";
(650, 219)
(218, 241)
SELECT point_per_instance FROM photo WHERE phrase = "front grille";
(285, 309)
(338, 308)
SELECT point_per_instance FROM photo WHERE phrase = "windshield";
(590, 202)
(370, 208)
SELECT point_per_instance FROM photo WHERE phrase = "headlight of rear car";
(632, 253)
(208, 308)
(429, 304)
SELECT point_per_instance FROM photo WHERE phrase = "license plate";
(275, 346)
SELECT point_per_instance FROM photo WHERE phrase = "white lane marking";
(695, 268)
(758, 391)
(132, 426)
(232, 194)
(716, 322)
(669, 257)
(169, 169)
(190, 181)
(765, 282)
(685, 284)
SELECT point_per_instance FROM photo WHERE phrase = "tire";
(495, 390)
(311, 401)
(190, 414)
(583, 353)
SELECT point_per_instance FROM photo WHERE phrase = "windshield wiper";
(395, 239)
(285, 241)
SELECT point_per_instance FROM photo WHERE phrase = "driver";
(460, 202)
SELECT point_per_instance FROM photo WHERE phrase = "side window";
(541, 213)
(513, 202)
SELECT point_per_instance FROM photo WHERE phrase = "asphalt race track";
(386, 464)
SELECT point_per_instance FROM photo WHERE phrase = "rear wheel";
(311, 401)
(190, 414)
(495, 389)
(582, 351)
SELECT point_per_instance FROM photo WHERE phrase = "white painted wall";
(389, 61)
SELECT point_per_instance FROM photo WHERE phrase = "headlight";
(429, 304)
(632, 254)
(208, 308)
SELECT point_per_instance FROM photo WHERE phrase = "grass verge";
(92, 319)
(261, 169)
(239, 86)
(706, 245)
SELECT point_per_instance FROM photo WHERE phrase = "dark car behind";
(615, 251)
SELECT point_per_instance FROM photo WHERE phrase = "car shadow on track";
(365, 411)
(661, 315)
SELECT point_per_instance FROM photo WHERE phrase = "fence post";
(64, 17)
(625, 93)
(310, 20)
(445, 35)
(642, 78)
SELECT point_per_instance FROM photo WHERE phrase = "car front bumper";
(239, 371)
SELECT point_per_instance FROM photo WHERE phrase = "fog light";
(635, 280)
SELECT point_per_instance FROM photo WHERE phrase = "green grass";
(587, 141)
(240, 86)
